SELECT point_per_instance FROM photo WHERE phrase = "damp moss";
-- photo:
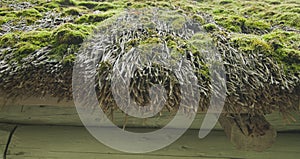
(71, 34)
(152, 40)
(280, 45)
(94, 18)
(67, 39)
(247, 17)
(23, 49)
(233, 23)
(286, 48)
(29, 13)
(283, 39)
(178, 23)
(250, 44)
(39, 38)
(8, 40)
(5, 19)
(73, 11)
(69, 58)
(225, 2)
(105, 6)
(88, 4)
(210, 27)
(243, 25)
(67, 2)
(290, 19)
(63, 52)
(198, 19)
(51, 5)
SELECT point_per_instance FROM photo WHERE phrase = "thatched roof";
(261, 57)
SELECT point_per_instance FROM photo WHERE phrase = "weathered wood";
(257, 136)
(5, 134)
(62, 142)
(57, 115)
(46, 100)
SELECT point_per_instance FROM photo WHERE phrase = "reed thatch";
(257, 83)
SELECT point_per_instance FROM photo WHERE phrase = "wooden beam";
(47, 142)
(6, 132)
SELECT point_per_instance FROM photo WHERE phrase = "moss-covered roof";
(40, 40)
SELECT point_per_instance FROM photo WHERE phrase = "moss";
(151, 41)
(5, 8)
(5, 19)
(69, 58)
(253, 9)
(63, 52)
(137, 5)
(39, 38)
(41, 8)
(291, 19)
(73, 11)
(198, 19)
(89, 4)
(232, 23)
(253, 25)
(8, 13)
(7, 40)
(29, 13)
(274, 2)
(51, 5)
(68, 36)
(24, 48)
(105, 6)
(178, 23)
(242, 25)
(210, 27)
(282, 39)
(251, 43)
(225, 2)
(94, 18)
(286, 48)
(280, 45)
(67, 39)
(67, 2)
(162, 4)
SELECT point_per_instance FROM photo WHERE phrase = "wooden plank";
(53, 115)
(56, 115)
(5, 134)
(46, 100)
(32, 142)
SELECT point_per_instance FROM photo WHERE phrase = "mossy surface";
(254, 37)
(268, 26)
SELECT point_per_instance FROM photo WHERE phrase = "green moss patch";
(29, 13)
(210, 27)
(67, 2)
(73, 11)
(71, 33)
(89, 4)
(24, 49)
(8, 40)
(251, 43)
(243, 25)
(94, 18)
(39, 38)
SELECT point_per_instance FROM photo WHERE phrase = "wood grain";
(66, 142)
(5, 135)
(57, 115)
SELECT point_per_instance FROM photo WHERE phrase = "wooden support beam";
(6, 132)
(66, 142)
(248, 133)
